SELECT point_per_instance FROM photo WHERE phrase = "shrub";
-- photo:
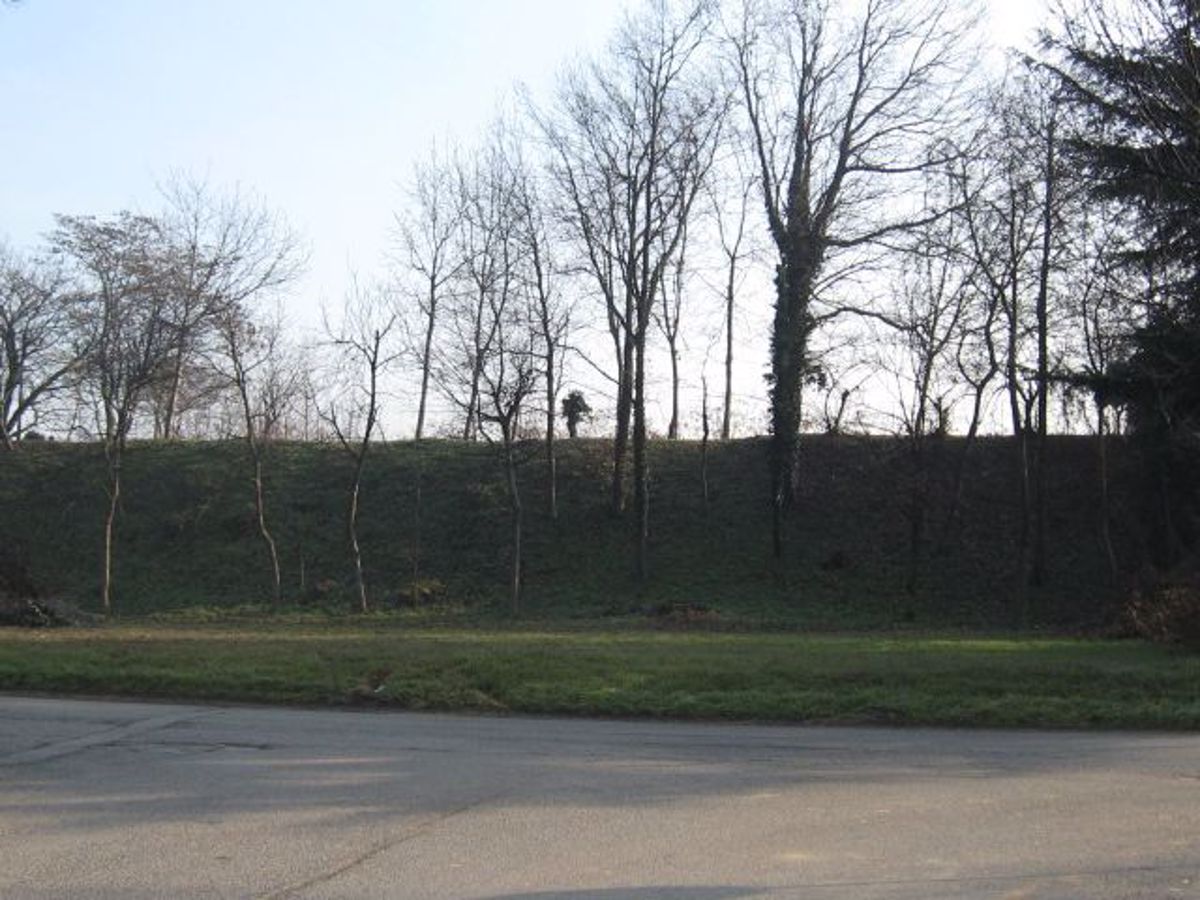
(1166, 608)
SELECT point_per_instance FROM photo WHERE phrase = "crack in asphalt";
(413, 831)
(104, 737)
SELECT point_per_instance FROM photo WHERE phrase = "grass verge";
(928, 680)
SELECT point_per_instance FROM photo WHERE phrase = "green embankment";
(434, 526)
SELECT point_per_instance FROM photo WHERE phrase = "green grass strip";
(909, 680)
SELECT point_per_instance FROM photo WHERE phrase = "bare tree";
(731, 232)
(254, 363)
(1103, 295)
(932, 295)
(669, 318)
(704, 434)
(362, 344)
(583, 170)
(977, 357)
(509, 376)
(550, 313)
(487, 255)
(123, 324)
(427, 233)
(633, 139)
(1014, 207)
(37, 354)
(842, 112)
(222, 252)
(498, 360)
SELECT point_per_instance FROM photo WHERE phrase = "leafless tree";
(731, 233)
(509, 376)
(669, 318)
(632, 139)
(123, 324)
(487, 253)
(704, 435)
(932, 297)
(1014, 209)
(977, 357)
(549, 310)
(842, 112)
(38, 356)
(589, 203)
(363, 348)
(427, 233)
(1050, 187)
(1102, 297)
(496, 364)
(254, 362)
(221, 253)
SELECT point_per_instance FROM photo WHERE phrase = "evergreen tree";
(1133, 73)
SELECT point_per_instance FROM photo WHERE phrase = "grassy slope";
(780, 677)
(186, 532)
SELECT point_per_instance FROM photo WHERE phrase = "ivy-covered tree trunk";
(789, 361)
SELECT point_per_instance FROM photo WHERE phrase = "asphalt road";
(133, 800)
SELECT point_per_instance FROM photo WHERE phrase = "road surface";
(135, 800)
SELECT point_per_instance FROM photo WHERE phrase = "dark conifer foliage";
(1136, 77)
(1133, 72)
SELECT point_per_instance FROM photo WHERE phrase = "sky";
(318, 108)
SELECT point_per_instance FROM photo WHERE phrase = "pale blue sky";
(320, 107)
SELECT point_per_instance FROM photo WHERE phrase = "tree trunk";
(468, 433)
(240, 381)
(168, 424)
(114, 498)
(704, 441)
(641, 493)
(673, 427)
(960, 470)
(425, 362)
(1020, 431)
(1020, 441)
(260, 510)
(469, 429)
(1038, 574)
(416, 542)
(551, 460)
(789, 356)
(10, 413)
(517, 515)
(352, 528)
(726, 414)
(1021, 459)
(1105, 523)
(621, 438)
